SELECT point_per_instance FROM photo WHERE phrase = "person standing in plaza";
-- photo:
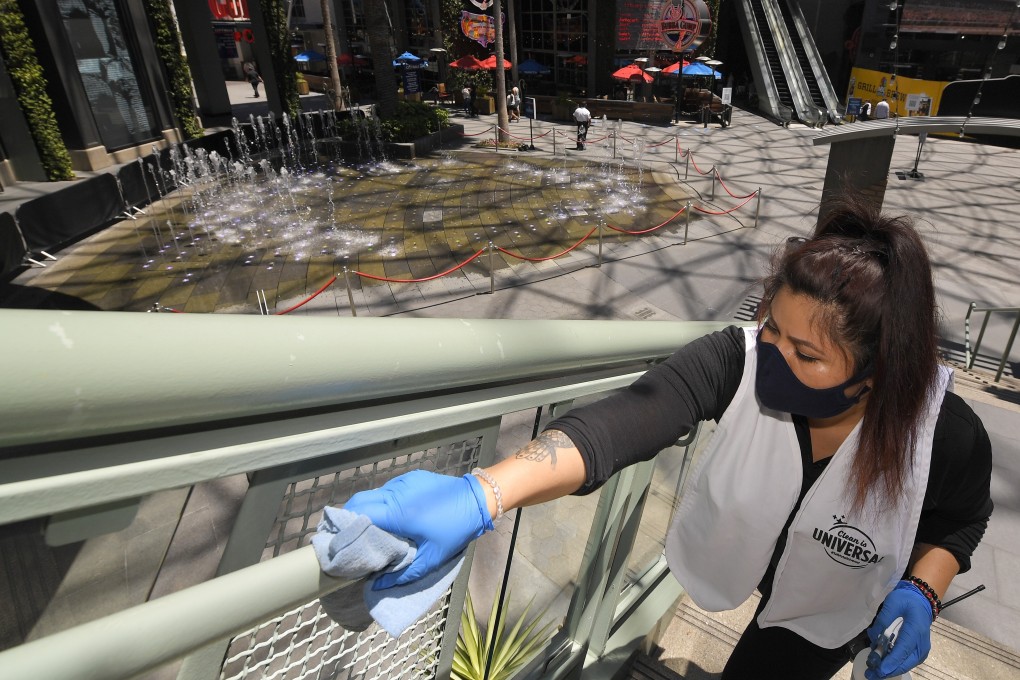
(513, 104)
(583, 117)
(465, 95)
(253, 77)
(882, 109)
(845, 482)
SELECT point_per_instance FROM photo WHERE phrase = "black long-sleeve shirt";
(699, 381)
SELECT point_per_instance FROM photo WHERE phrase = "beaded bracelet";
(929, 593)
(479, 472)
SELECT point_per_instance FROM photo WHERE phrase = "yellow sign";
(906, 96)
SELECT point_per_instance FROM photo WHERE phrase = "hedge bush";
(176, 71)
(18, 53)
(412, 120)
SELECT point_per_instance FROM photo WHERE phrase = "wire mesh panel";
(305, 643)
(302, 504)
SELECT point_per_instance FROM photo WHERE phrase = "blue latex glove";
(913, 642)
(441, 514)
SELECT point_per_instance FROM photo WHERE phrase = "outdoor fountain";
(286, 195)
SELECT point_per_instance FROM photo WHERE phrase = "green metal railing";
(971, 354)
(100, 410)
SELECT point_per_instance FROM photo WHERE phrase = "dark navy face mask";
(780, 390)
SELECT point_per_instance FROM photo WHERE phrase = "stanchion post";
(600, 244)
(676, 149)
(715, 173)
(687, 163)
(687, 222)
(554, 141)
(492, 269)
(757, 207)
(350, 295)
(614, 144)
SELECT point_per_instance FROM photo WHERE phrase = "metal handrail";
(70, 375)
(971, 354)
(296, 423)
(119, 645)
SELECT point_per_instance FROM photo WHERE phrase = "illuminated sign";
(230, 10)
(677, 25)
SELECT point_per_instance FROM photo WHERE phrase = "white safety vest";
(836, 569)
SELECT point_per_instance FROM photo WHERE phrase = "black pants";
(582, 133)
(764, 653)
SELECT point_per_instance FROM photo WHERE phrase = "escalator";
(819, 86)
(789, 78)
(802, 58)
(773, 62)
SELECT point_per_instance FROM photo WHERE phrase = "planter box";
(486, 105)
(424, 145)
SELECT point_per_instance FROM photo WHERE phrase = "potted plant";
(511, 649)
(302, 84)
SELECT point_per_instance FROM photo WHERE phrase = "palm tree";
(377, 25)
(501, 115)
(334, 72)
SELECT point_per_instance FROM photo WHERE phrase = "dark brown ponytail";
(872, 275)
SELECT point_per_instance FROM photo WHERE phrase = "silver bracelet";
(479, 472)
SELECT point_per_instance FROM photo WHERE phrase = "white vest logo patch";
(847, 545)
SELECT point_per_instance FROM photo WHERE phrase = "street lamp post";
(441, 56)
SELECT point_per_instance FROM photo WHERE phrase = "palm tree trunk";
(334, 72)
(501, 115)
(377, 25)
(512, 24)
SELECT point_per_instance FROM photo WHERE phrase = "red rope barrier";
(427, 278)
(551, 257)
(652, 146)
(629, 141)
(523, 139)
(646, 231)
(732, 195)
(725, 212)
(308, 299)
(696, 166)
(598, 139)
(474, 134)
(678, 148)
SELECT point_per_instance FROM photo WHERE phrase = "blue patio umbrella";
(309, 55)
(530, 67)
(408, 58)
(698, 69)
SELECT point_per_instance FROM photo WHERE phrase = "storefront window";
(96, 33)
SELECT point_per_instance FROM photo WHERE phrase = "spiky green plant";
(512, 649)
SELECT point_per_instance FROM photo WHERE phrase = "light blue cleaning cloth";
(349, 546)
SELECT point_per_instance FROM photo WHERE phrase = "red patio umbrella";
(466, 63)
(674, 69)
(632, 72)
(490, 63)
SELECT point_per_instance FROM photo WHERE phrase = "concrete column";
(264, 57)
(858, 166)
(195, 23)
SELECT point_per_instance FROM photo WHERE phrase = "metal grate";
(305, 643)
(304, 500)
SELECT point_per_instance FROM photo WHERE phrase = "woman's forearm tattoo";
(545, 447)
